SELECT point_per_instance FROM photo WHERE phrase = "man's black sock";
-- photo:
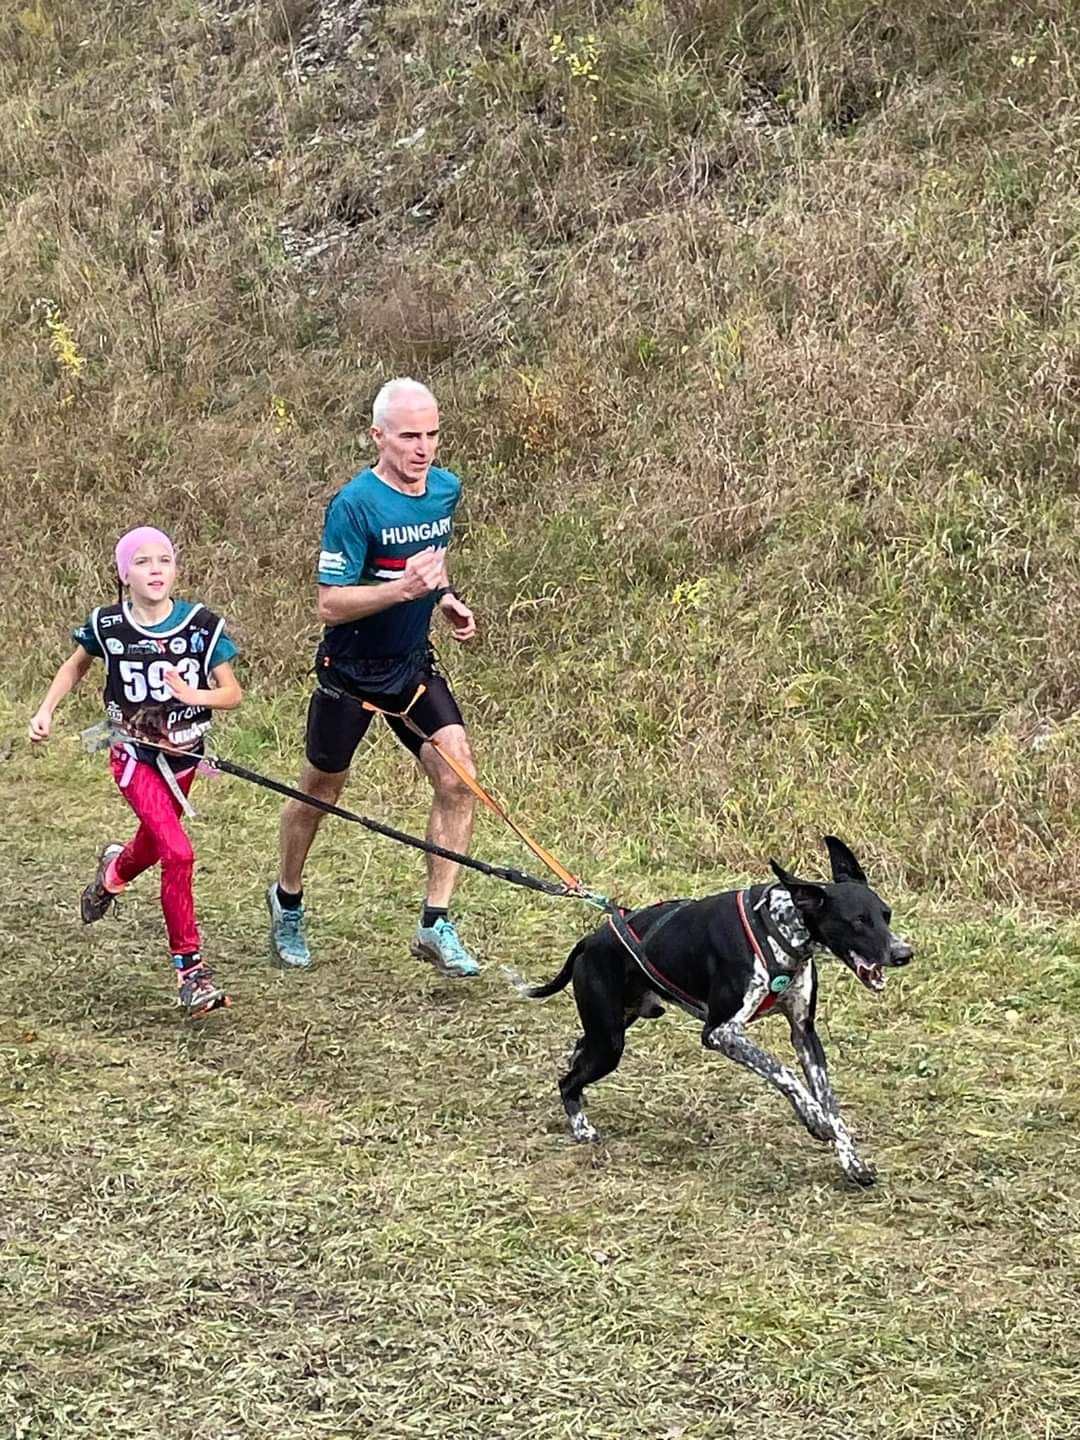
(287, 901)
(431, 913)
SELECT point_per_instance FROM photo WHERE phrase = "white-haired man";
(382, 573)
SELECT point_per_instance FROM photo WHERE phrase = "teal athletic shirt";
(224, 650)
(370, 531)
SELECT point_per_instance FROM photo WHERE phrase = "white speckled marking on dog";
(790, 924)
(731, 1040)
(583, 1128)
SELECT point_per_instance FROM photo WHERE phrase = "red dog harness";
(760, 963)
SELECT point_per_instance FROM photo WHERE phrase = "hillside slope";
(756, 329)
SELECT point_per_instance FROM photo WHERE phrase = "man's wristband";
(442, 592)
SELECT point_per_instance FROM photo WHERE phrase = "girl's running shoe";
(196, 989)
(95, 898)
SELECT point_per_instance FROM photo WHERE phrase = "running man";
(382, 573)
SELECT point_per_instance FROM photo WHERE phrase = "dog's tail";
(552, 987)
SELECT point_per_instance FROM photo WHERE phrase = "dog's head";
(847, 917)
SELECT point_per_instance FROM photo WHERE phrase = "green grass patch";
(758, 359)
(350, 1206)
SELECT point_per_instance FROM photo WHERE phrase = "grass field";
(350, 1207)
(756, 328)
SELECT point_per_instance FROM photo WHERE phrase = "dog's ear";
(807, 896)
(844, 864)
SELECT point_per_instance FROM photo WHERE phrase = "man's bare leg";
(450, 823)
(300, 822)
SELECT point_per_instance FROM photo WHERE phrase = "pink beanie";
(128, 546)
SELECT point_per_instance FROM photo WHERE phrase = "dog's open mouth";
(872, 976)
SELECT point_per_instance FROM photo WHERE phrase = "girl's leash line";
(569, 885)
(103, 735)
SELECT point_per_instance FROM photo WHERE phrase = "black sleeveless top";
(136, 696)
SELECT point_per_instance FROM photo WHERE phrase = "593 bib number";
(144, 680)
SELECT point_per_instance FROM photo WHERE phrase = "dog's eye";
(888, 917)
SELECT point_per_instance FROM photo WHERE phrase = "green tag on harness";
(779, 983)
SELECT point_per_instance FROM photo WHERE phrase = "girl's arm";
(225, 695)
(64, 681)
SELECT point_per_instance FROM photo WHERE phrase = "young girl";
(167, 666)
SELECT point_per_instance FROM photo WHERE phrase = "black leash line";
(615, 913)
(227, 767)
(500, 872)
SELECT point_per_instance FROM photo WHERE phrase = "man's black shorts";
(337, 721)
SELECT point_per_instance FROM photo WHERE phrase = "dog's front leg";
(811, 1053)
(731, 1040)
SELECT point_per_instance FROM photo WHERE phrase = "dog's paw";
(584, 1131)
(860, 1173)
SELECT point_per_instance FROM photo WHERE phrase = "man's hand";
(462, 620)
(425, 571)
(184, 692)
(40, 726)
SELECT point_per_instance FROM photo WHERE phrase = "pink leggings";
(160, 837)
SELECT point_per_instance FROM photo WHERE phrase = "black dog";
(727, 960)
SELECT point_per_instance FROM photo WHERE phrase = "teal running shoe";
(287, 933)
(441, 945)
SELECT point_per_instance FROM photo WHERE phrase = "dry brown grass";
(756, 328)
(756, 332)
